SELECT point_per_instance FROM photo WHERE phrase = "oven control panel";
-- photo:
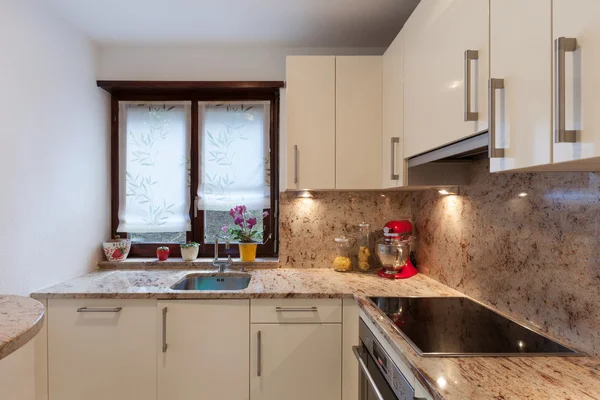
(398, 383)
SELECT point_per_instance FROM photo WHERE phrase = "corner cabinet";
(101, 349)
(334, 122)
(204, 350)
(393, 167)
(446, 69)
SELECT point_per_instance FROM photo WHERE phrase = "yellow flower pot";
(248, 251)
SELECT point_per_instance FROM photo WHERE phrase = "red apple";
(162, 253)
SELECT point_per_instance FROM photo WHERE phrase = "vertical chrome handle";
(258, 353)
(494, 85)
(358, 353)
(196, 200)
(470, 55)
(164, 330)
(393, 175)
(295, 163)
(561, 134)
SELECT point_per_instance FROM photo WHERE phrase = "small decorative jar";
(364, 253)
(342, 261)
(116, 249)
(162, 253)
(189, 251)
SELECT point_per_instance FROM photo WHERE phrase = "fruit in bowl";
(116, 249)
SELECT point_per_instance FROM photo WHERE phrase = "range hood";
(448, 165)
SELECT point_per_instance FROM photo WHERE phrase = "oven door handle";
(358, 353)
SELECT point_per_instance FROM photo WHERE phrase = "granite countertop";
(21, 318)
(446, 378)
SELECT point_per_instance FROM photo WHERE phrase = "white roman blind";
(234, 155)
(154, 184)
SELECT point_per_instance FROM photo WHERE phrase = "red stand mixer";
(394, 250)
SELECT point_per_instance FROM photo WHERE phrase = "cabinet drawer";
(291, 311)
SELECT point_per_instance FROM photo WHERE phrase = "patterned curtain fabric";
(234, 152)
(154, 146)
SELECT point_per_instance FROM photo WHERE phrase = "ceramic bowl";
(116, 249)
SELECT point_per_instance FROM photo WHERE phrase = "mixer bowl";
(393, 255)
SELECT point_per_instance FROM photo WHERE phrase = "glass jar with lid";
(364, 252)
(342, 261)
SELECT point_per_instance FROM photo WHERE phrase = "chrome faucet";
(222, 265)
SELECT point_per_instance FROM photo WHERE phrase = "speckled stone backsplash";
(309, 226)
(528, 244)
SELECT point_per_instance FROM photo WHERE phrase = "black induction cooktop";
(459, 327)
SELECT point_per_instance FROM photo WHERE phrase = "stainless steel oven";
(380, 378)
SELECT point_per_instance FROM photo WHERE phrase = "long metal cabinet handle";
(470, 55)
(196, 201)
(164, 330)
(296, 309)
(357, 353)
(100, 309)
(393, 175)
(561, 134)
(295, 163)
(258, 353)
(494, 85)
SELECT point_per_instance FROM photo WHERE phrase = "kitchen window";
(185, 153)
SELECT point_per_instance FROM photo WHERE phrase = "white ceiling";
(310, 23)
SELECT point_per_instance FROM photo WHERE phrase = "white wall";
(207, 63)
(54, 139)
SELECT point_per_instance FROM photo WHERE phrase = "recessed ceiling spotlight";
(443, 191)
(522, 194)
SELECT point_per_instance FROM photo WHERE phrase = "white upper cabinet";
(358, 122)
(310, 103)
(578, 22)
(334, 122)
(393, 115)
(520, 69)
(446, 52)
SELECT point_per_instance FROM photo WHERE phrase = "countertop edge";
(24, 336)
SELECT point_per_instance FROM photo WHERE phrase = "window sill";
(178, 263)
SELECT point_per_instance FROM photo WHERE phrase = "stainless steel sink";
(213, 282)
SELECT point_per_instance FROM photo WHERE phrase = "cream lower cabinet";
(101, 349)
(296, 349)
(203, 349)
(296, 361)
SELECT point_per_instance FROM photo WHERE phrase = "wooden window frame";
(196, 92)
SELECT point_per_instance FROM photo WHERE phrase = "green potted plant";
(189, 251)
(244, 232)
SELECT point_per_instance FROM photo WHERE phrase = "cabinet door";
(102, 352)
(358, 122)
(521, 56)
(393, 115)
(436, 37)
(296, 362)
(579, 19)
(310, 102)
(206, 354)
